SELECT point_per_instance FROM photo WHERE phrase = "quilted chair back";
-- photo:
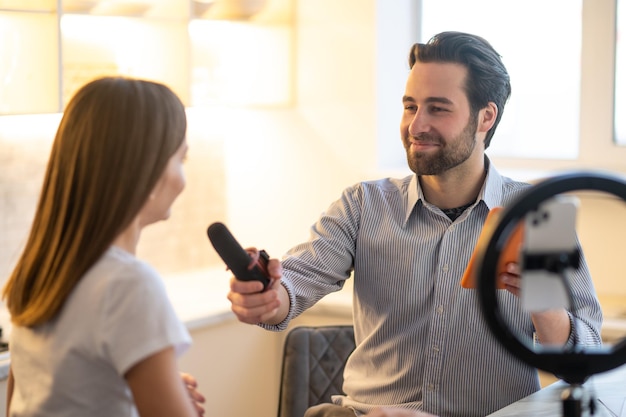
(312, 370)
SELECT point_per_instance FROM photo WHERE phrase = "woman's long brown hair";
(113, 143)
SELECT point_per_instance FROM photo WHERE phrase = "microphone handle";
(236, 257)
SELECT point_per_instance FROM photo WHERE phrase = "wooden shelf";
(29, 81)
(46, 54)
(151, 49)
(28, 6)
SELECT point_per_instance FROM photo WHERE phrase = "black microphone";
(236, 257)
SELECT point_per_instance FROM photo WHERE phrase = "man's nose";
(419, 124)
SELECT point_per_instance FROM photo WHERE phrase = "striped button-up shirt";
(421, 339)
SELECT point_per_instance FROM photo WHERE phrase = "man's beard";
(447, 157)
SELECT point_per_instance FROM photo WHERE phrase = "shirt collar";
(490, 193)
(415, 194)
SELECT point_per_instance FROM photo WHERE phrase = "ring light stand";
(575, 365)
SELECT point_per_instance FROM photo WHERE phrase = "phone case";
(549, 231)
(510, 253)
(552, 227)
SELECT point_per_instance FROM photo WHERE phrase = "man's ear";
(487, 117)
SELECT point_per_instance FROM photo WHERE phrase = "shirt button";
(430, 387)
(440, 309)
(436, 348)
(445, 268)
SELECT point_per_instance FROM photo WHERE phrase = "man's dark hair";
(487, 78)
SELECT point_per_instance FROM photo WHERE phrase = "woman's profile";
(94, 333)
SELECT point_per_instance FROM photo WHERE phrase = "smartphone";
(549, 248)
(510, 251)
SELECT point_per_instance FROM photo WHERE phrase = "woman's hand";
(197, 399)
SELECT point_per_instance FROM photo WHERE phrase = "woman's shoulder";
(119, 273)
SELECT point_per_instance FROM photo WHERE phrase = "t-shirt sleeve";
(138, 319)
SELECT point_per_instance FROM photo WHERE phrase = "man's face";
(438, 130)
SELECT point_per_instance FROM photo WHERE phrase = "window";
(560, 56)
(620, 81)
(544, 65)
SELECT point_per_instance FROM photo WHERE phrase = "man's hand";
(252, 306)
(552, 326)
(511, 278)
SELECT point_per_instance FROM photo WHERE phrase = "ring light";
(573, 366)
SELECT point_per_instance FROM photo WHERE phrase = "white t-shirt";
(117, 315)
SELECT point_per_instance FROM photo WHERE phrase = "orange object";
(510, 252)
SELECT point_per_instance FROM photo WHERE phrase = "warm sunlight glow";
(24, 86)
(40, 126)
(138, 48)
(240, 63)
(620, 82)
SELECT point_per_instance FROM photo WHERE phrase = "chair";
(312, 369)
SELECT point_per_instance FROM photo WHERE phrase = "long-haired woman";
(94, 333)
